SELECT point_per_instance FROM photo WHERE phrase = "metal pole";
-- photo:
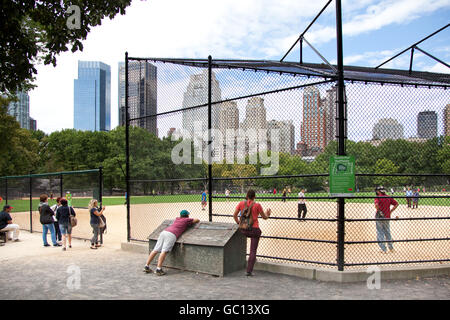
(6, 191)
(127, 149)
(31, 204)
(100, 185)
(411, 60)
(61, 188)
(209, 136)
(301, 50)
(341, 132)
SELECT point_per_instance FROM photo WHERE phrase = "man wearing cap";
(7, 225)
(383, 206)
(167, 239)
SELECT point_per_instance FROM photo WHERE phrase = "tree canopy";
(37, 31)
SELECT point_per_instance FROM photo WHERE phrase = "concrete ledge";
(135, 247)
(329, 275)
(288, 269)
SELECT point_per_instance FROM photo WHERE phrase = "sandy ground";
(146, 217)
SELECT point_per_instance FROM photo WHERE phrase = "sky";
(373, 30)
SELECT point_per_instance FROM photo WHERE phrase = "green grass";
(23, 205)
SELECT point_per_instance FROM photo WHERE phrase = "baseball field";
(148, 212)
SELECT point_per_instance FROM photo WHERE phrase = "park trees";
(18, 149)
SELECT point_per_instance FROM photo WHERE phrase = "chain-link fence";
(273, 127)
(78, 187)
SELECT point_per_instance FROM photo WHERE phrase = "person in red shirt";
(167, 239)
(383, 206)
(255, 233)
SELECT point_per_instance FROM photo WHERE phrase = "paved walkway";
(30, 271)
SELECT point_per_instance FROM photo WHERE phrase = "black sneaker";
(160, 272)
(57, 245)
(249, 274)
(64, 248)
(46, 245)
(147, 269)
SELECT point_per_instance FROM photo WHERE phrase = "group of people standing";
(412, 197)
(59, 219)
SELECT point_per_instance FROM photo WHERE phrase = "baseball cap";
(381, 189)
(184, 213)
(7, 207)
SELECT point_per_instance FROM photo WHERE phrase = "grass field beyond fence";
(23, 205)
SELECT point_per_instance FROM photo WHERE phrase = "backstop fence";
(78, 187)
(225, 126)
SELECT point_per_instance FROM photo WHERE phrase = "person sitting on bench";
(6, 224)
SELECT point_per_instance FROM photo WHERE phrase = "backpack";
(246, 218)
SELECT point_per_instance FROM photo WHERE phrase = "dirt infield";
(146, 217)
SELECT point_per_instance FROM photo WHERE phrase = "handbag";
(101, 223)
(73, 221)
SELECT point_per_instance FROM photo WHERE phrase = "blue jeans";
(45, 229)
(384, 234)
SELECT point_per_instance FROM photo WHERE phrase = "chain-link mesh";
(77, 187)
(274, 132)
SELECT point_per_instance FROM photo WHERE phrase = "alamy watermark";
(231, 146)
(74, 279)
(374, 280)
(74, 20)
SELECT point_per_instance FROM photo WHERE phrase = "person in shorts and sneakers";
(167, 239)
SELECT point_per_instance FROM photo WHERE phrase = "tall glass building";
(20, 109)
(92, 96)
(427, 124)
(142, 94)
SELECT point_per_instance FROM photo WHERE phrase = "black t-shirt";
(94, 218)
(4, 218)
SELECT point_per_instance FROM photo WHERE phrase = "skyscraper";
(255, 120)
(427, 124)
(228, 124)
(142, 94)
(286, 131)
(446, 120)
(197, 94)
(92, 96)
(314, 126)
(20, 109)
(387, 128)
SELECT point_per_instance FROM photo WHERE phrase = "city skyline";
(92, 97)
(374, 31)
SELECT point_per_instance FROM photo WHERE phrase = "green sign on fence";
(342, 176)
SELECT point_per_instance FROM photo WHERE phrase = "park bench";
(207, 247)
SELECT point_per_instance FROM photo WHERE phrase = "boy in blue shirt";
(204, 199)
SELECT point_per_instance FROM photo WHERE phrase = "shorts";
(65, 229)
(203, 203)
(166, 241)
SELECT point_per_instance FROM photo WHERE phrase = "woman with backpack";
(250, 228)
(96, 224)
(63, 216)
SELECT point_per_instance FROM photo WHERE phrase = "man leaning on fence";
(383, 215)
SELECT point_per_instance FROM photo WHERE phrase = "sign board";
(342, 176)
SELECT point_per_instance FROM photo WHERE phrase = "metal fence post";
(209, 136)
(341, 133)
(6, 191)
(127, 149)
(100, 185)
(31, 204)
(61, 190)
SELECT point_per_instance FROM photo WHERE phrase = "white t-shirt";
(301, 195)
